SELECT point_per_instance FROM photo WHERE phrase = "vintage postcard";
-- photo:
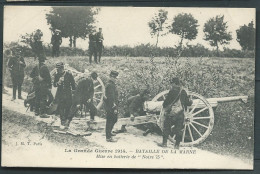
(128, 87)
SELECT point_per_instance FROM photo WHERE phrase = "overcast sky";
(123, 25)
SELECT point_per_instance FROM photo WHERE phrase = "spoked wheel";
(99, 87)
(198, 119)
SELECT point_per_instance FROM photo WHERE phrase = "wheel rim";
(198, 119)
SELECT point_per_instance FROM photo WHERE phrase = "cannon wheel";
(99, 87)
(99, 91)
(198, 119)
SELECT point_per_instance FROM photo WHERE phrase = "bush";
(143, 50)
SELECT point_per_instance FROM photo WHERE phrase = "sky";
(124, 25)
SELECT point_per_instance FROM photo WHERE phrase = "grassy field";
(211, 77)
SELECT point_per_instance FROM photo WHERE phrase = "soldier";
(37, 46)
(100, 38)
(65, 83)
(135, 107)
(174, 105)
(56, 41)
(84, 95)
(111, 105)
(16, 65)
(42, 86)
(92, 48)
(6, 56)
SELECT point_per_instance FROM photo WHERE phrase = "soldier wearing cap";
(84, 95)
(65, 83)
(37, 46)
(135, 107)
(92, 47)
(176, 94)
(16, 65)
(41, 79)
(100, 38)
(111, 105)
(56, 41)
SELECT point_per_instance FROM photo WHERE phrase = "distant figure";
(42, 87)
(56, 41)
(16, 65)
(174, 105)
(38, 47)
(84, 95)
(111, 105)
(6, 57)
(65, 83)
(92, 48)
(100, 38)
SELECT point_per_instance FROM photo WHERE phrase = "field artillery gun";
(198, 119)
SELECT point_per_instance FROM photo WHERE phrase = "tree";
(184, 25)
(216, 33)
(246, 36)
(74, 22)
(157, 24)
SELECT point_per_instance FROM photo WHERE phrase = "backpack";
(175, 108)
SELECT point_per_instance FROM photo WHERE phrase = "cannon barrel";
(155, 106)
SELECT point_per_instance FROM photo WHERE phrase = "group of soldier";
(95, 44)
(69, 95)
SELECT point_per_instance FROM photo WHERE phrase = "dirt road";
(29, 141)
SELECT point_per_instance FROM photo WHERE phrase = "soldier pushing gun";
(84, 96)
(174, 106)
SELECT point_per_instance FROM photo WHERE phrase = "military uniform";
(64, 95)
(16, 65)
(135, 106)
(111, 105)
(42, 85)
(6, 57)
(176, 120)
(39, 51)
(100, 38)
(84, 92)
(56, 41)
(92, 48)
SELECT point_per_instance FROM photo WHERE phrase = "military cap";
(175, 80)
(114, 74)
(94, 75)
(59, 65)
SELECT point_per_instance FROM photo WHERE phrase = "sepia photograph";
(128, 87)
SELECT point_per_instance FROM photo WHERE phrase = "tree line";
(215, 30)
(78, 22)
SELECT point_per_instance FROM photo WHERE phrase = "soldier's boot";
(177, 145)
(111, 140)
(164, 143)
(13, 98)
(146, 132)
(67, 124)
